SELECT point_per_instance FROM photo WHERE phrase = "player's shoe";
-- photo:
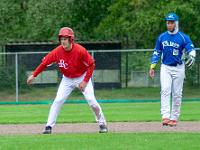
(172, 123)
(165, 121)
(103, 129)
(47, 130)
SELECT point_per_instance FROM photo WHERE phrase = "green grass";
(48, 93)
(75, 113)
(114, 112)
(131, 112)
(110, 141)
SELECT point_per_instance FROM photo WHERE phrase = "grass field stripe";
(100, 101)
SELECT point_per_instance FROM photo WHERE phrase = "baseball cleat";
(47, 130)
(165, 121)
(103, 129)
(172, 123)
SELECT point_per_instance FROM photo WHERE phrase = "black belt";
(174, 65)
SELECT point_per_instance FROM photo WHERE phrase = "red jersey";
(72, 63)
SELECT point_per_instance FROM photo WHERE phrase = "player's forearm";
(39, 69)
(154, 61)
(89, 73)
(155, 56)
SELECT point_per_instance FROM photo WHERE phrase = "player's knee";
(58, 101)
(91, 100)
(177, 96)
(165, 92)
(90, 97)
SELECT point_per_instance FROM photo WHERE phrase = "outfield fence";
(114, 69)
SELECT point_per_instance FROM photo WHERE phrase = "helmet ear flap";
(71, 39)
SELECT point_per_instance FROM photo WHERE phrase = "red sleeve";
(46, 61)
(39, 69)
(88, 61)
(89, 73)
(49, 58)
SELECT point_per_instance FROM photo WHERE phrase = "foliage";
(86, 15)
(192, 75)
(41, 20)
(7, 76)
(12, 20)
(136, 23)
(139, 21)
(44, 18)
(143, 20)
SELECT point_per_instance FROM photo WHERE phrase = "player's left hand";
(190, 61)
(82, 85)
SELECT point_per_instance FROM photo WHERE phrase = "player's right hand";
(151, 73)
(82, 85)
(30, 79)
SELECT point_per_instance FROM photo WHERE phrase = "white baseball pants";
(171, 79)
(66, 86)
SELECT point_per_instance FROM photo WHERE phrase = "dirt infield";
(93, 128)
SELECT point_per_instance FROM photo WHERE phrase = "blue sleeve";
(188, 45)
(157, 51)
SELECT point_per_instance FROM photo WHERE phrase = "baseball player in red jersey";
(77, 66)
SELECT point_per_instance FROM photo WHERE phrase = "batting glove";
(190, 61)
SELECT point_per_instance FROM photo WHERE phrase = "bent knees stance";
(89, 94)
(91, 99)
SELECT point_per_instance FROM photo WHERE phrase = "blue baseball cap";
(171, 17)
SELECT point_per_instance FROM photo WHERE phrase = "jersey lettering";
(175, 52)
(173, 44)
(62, 64)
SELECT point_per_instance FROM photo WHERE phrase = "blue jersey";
(171, 46)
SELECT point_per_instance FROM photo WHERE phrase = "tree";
(143, 20)
(11, 21)
(86, 15)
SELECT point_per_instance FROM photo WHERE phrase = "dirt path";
(92, 128)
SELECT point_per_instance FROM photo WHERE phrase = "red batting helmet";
(66, 32)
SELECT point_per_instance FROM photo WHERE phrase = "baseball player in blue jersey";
(170, 46)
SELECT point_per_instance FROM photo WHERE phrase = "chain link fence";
(114, 69)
